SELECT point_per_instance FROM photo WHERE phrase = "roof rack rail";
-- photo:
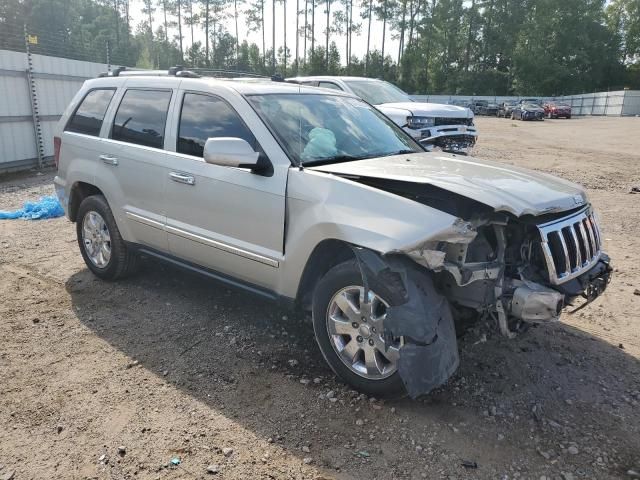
(222, 73)
(179, 71)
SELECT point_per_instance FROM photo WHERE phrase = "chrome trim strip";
(587, 243)
(224, 247)
(565, 250)
(144, 220)
(592, 236)
(574, 237)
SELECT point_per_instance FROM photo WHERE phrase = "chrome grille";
(571, 246)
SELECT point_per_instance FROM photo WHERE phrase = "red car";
(557, 110)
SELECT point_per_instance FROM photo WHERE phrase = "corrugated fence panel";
(14, 96)
(17, 142)
(631, 103)
(57, 81)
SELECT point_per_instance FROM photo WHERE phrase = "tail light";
(57, 143)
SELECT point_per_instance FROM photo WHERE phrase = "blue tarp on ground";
(46, 207)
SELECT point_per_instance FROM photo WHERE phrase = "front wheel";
(102, 247)
(350, 332)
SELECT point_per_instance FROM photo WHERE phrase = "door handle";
(109, 159)
(183, 178)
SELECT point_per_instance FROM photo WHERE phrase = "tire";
(347, 276)
(335, 280)
(116, 260)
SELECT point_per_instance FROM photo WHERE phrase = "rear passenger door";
(133, 162)
(227, 219)
(81, 135)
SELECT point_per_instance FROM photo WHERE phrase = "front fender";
(323, 206)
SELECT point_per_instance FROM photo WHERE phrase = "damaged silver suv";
(316, 198)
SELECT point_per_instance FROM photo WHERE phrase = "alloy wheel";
(356, 332)
(96, 239)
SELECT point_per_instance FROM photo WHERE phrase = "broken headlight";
(417, 123)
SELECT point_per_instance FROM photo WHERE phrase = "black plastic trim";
(284, 301)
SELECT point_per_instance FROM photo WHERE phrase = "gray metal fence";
(617, 103)
(34, 91)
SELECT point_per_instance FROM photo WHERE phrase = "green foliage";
(490, 47)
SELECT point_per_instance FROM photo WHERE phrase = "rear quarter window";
(90, 113)
(141, 117)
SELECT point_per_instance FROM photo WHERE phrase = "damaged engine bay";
(493, 264)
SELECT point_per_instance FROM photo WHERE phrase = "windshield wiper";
(399, 152)
(336, 159)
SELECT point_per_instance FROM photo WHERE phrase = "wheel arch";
(326, 255)
(80, 191)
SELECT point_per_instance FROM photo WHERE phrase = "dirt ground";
(170, 365)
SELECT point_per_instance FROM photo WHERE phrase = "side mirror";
(230, 152)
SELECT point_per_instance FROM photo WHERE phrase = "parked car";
(527, 111)
(446, 127)
(462, 103)
(314, 198)
(506, 108)
(479, 106)
(490, 109)
(557, 110)
(531, 101)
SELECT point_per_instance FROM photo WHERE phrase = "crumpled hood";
(504, 188)
(421, 109)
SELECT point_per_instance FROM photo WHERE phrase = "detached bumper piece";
(418, 314)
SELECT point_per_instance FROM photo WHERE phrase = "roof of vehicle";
(243, 86)
(334, 77)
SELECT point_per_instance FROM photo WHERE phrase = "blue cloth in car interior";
(46, 207)
(322, 144)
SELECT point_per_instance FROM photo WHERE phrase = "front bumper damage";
(448, 138)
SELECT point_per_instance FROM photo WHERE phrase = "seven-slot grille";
(571, 246)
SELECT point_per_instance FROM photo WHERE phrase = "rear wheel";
(102, 247)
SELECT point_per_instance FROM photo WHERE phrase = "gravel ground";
(122, 380)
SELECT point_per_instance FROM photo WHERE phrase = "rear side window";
(330, 85)
(89, 115)
(203, 117)
(141, 117)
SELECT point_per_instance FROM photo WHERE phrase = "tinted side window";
(204, 116)
(330, 85)
(141, 117)
(89, 115)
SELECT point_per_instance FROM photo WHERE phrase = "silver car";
(317, 199)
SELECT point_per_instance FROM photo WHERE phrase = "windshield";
(376, 92)
(322, 128)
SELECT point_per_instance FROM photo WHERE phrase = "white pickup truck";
(449, 128)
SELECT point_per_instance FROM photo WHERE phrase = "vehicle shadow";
(245, 357)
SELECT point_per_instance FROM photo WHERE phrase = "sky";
(358, 48)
